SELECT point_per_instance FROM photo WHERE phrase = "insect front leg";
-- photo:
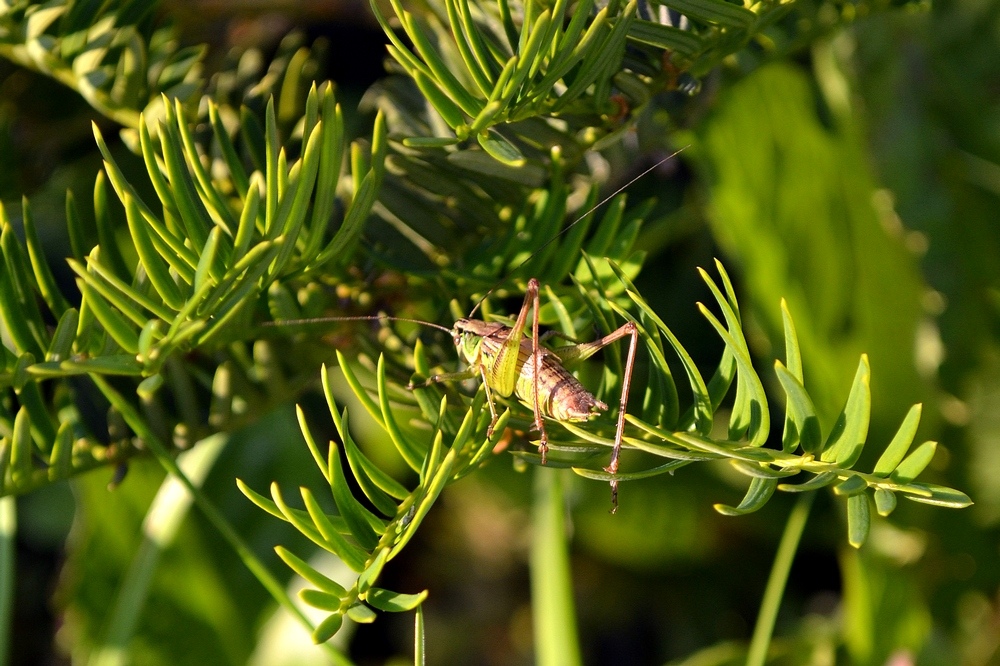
(536, 361)
(489, 401)
(507, 365)
(443, 377)
(587, 349)
(470, 373)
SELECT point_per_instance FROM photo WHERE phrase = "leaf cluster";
(487, 71)
(111, 53)
(365, 540)
(441, 442)
(187, 278)
(826, 458)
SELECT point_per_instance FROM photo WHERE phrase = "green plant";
(264, 218)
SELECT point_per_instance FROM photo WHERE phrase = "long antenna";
(573, 224)
(375, 317)
(385, 317)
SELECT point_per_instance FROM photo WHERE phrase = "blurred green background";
(859, 180)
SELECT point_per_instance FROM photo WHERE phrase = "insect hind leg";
(630, 330)
(585, 350)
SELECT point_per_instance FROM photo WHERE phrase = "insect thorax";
(470, 334)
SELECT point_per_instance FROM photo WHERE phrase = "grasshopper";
(510, 364)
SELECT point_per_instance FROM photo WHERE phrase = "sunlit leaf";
(854, 485)
(361, 614)
(758, 494)
(938, 496)
(859, 516)
(394, 602)
(915, 463)
(885, 501)
(801, 421)
(847, 438)
(304, 569)
(320, 599)
(900, 444)
(327, 628)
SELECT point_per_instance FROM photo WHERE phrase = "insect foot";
(613, 469)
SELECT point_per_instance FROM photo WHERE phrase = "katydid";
(510, 364)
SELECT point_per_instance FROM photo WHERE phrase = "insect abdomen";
(561, 396)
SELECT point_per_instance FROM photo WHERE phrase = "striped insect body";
(561, 396)
(510, 364)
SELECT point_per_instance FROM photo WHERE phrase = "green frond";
(106, 52)
(126, 61)
(486, 75)
(446, 452)
(803, 448)
(205, 255)
(360, 539)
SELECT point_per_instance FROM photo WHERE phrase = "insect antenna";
(378, 317)
(572, 224)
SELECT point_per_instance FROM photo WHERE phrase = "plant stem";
(777, 579)
(164, 517)
(556, 640)
(8, 534)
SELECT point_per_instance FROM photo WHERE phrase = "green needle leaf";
(666, 37)
(304, 569)
(714, 11)
(859, 518)
(21, 447)
(156, 268)
(801, 422)
(852, 486)
(320, 599)
(358, 518)
(885, 501)
(500, 148)
(758, 494)
(937, 495)
(361, 614)
(900, 444)
(326, 629)
(851, 429)
(409, 450)
(915, 463)
(394, 602)
(44, 278)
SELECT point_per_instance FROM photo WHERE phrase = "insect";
(509, 363)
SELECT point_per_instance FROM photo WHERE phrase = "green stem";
(163, 519)
(777, 579)
(556, 640)
(419, 643)
(211, 512)
(8, 534)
